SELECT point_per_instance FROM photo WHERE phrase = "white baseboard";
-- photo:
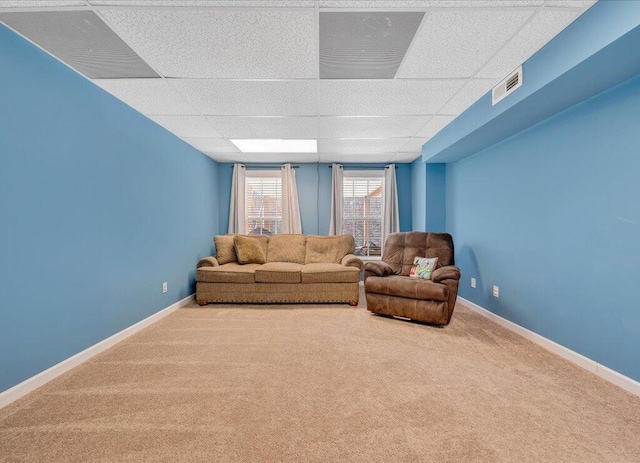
(620, 380)
(28, 385)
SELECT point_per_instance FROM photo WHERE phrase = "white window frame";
(258, 173)
(378, 173)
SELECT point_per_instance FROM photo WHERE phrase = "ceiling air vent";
(507, 86)
(365, 44)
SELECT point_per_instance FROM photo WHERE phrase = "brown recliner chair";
(391, 291)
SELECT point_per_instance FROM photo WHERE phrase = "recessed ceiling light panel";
(276, 146)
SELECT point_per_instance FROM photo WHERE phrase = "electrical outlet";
(165, 287)
(473, 282)
(496, 291)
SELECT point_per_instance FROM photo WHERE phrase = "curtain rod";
(362, 166)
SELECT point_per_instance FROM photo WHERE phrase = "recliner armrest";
(208, 262)
(449, 272)
(379, 268)
(352, 261)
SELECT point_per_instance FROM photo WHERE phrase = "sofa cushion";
(329, 273)
(404, 286)
(227, 273)
(249, 250)
(278, 272)
(287, 248)
(328, 249)
(225, 249)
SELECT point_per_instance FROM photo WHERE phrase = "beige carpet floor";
(322, 384)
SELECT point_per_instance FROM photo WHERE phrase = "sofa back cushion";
(400, 249)
(249, 250)
(287, 248)
(225, 249)
(328, 249)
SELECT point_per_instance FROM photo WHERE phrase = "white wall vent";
(507, 86)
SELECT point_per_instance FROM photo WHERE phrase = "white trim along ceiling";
(371, 80)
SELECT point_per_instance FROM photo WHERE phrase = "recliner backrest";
(401, 248)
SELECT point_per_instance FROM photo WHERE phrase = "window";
(263, 196)
(362, 215)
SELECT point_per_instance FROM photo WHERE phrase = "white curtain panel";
(237, 217)
(391, 221)
(290, 207)
(335, 225)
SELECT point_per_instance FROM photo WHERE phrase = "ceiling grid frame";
(88, 5)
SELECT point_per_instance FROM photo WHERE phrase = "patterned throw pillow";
(423, 267)
(249, 250)
(225, 249)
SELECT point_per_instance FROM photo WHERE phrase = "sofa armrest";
(379, 268)
(208, 262)
(352, 261)
(448, 272)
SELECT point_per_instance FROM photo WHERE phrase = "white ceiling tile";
(545, 25)
(414, 145)
(266, 127)
(370, 127)
(209, 3)
(225, 157)
(250, 98)
(221, 43)
(211, 145)
(502, 3)
(406, 157)
(571, 3)
(149, 96)
(187, 126)
(39, 3)
(361, 146)
(435, 125)
(263, 157)
(362, 158)
(385, 97)
(425, 3)
(468, 95)
(280, 157)
(456, 43)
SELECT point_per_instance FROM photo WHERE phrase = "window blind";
(362, 212)
(263, 203)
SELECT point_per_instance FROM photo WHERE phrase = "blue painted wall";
(98, 206)
(428, 185)
(551, 215)
(418, 195)
(436, 197)
(314, 194)
(405, 197)
(594, 53)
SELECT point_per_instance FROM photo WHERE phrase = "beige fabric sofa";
(298, 269)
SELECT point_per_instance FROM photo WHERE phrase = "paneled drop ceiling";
(372, 80)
